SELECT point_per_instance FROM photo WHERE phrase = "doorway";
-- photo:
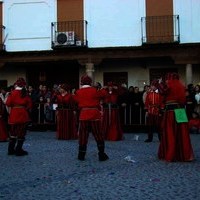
(58, 73)
(116, 77)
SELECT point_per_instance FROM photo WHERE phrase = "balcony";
(160, 29)
(69, 34)
(2, 38)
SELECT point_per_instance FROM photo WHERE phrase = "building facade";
(132, 41)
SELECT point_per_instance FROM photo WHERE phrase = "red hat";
(172, 76)
(86, 80)
(20, 82)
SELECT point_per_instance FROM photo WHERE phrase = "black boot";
(102, 155)
(82, 152)
(148, 140)
(150, 135)
(19, 150)
(159, 136)
(11, 146)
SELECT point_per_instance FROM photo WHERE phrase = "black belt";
(172, 106)
(111, 106)
(63, 107)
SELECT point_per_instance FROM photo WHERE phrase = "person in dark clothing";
(137, 106)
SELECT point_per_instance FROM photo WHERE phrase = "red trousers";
(17, 130)
(85, 127)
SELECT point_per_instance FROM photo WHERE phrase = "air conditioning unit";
(65, 38)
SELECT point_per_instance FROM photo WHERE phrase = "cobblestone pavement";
(51, 171)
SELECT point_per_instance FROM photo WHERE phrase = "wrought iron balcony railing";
(69, 34)
(2, 37)
(160, 29)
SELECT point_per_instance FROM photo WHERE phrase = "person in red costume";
(194, 123)
(153, 104)
(66, 120)
(88, 100)
(175, 142)
(111, 125)
(20, 105)
(3, 128)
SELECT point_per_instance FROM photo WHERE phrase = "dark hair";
(98, 85)
(23, 92)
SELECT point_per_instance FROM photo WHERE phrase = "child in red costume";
(111, 125)
(153, 105)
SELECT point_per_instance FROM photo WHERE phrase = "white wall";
(28, 24)
(111, 23)
(114, 23)
(189, 13)
(137, 75)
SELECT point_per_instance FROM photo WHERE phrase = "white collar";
(18, 88)
(155, 91)
(85, 86)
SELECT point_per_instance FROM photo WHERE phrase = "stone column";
(189, 74)
(90, 70)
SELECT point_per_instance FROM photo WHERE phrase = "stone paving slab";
(51, 171)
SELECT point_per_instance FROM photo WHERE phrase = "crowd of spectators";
(130, 101)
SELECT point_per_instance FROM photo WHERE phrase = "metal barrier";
(45, 114)
(133, 115)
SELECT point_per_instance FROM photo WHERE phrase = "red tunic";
(153, 105)
(66, 119)
(88, 99)
(153, 102)
(20, 107)
(111, 97)
(111, 124)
